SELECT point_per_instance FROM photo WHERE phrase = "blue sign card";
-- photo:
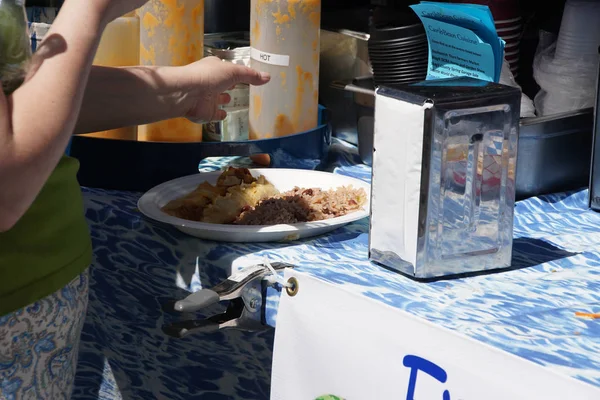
(462, 41)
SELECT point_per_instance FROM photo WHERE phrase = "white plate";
(151, 202)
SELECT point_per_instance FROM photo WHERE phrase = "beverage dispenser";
(172, 34)
(285, 40)
(119, 47)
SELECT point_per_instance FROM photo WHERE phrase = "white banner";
(333, 344)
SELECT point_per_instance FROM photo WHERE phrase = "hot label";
(270, 58)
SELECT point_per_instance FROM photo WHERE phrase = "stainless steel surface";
(344, 56)
(362, 92)
(555, 149)
(230, 46)
(594, 185)
(443, 205)
(365, 128)
(554, 153)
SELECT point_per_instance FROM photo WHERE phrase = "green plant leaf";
(329, 397)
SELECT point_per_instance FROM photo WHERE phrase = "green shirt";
(49, 246)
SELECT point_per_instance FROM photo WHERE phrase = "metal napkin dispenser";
(443, 188)
(594, 188)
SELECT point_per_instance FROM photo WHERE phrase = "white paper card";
(329, 341)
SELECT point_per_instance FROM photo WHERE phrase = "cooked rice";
(304, 205)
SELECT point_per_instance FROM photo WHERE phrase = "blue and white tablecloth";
(528, 311)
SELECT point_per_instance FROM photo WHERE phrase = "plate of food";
(258, 205)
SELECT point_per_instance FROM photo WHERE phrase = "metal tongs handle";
(198, 300)
(229, 289)
(232, 318)
(244, 312)
(351, 86)
(184, 328)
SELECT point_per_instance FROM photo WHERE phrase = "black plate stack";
(398, 49)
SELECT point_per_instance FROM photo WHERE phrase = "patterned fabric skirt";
(39, 345)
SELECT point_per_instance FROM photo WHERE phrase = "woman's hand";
(203, 83)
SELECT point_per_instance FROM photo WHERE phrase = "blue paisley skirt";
(39, 345)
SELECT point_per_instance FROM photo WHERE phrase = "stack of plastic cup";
(566, 71)
(579, 34)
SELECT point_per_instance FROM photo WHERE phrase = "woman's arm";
(31, 145)
(120, 97)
